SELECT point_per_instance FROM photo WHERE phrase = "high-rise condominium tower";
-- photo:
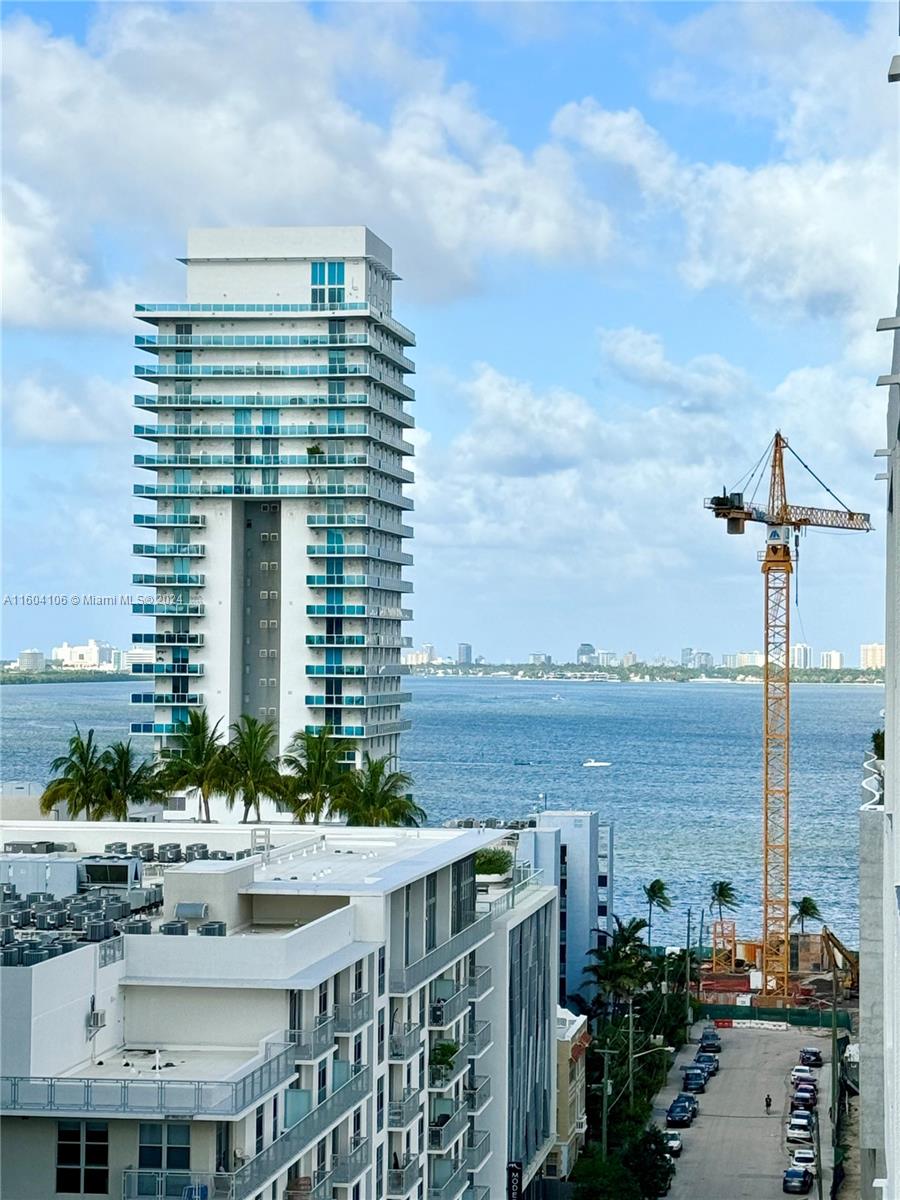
(277, 473)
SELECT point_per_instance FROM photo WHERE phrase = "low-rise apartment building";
(572, 1041)
(326, 1012)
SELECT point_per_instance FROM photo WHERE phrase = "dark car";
(704, 1068)
(705, 1059)
(797, 1180)
(694, 1081)
(709, 1044)
(678, 1115)
(804, 1098)
(810, 1057)
(690, 1099)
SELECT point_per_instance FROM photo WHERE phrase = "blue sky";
(634, 238)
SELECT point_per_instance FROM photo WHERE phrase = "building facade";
(91, 656)
(276, 471)
(871, 656)
(880, 853)
(464, 654)
(31, 660)
(801, 656)
(341, 1012)
(572, 1040)
(831, 660)
(586, 655)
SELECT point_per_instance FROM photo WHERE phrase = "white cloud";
(708, 380)
(67, 409)
(164, 121)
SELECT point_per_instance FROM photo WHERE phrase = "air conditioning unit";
(96, 1019)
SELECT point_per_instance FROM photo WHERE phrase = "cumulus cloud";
(706, 380)
(61, 407)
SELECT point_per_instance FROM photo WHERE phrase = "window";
(322, 1080)
(381, 971)
(335, 283)
(317, 279)
(260, 1130)
(357, 1048)
(82, 1157)
(358, 976)
(379, 1173)
(430, 912)
(379, 1105)
(381, 1036)
(164, 1146)
(274, 1118)
(323, 999)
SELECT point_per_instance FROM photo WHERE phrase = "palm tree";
(807, 910)
(80, 783)
(318, 771)
(199, 764)
(619, 970)
(373, 795)
(722, 896)
(127, 781)
(657, 896)
(251, 765)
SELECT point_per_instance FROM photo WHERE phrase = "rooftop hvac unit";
(98, 931)
(136, 925)
(174, 928)
(221, 855)
(116, 910)
(212, 929)
(144, 850)
(31, 958)
(54, 950)
(170, 852)
(10, 956)
(196, 850)
(38, 897)
(46, 920)
(96, 1019)
(116, 848)
(7, 937)
(64, 847)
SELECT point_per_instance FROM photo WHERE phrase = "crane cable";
(819, 481)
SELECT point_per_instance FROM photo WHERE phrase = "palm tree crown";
(199, 764)
(127, 781)
(657, 895)
(318, 771)
(722, 896)
(80, 783)
(806, 910)
(374, 795)
(251, 764)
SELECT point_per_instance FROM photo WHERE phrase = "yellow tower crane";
(783, 522)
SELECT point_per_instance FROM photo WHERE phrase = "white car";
(805, 1159)
(804, 1073)
(798, 1131)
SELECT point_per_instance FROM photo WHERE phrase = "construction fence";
(747, 1014)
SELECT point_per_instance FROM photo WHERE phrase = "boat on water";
(593, 762)
(556, 697)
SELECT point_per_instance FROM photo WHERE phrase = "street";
(733, 1149)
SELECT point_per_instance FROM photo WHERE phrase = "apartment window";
(381, 1036)
(358, 976)
(430, 912)
(317, 279)
(407, 904)
(183, 330)
(357, 1048)
(335, 283)
(82, 1157)
(381, 968)
(379, 1173)
(323, 999)
(260, 1129)
(379, 1105)
(322, 1080)
(274, 1118)
(164, 1147)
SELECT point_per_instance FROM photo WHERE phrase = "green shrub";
(443, 1053)
(492, 862)
(878, 743)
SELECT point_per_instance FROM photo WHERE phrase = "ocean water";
(683, 790)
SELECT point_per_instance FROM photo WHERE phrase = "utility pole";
(604, 1146)
(687, 980)
(631, 1051)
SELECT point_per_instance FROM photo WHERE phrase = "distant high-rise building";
(90, 656)
(586, 655)
(464, 654)
(629, 659)
(702, 660)
(801, 656)
(607, 658)
(31, 660)
(540, 659)
(428, 651)
(831, 660)
(750, 658)
(687, 656)
(729, 660)
(871, 656)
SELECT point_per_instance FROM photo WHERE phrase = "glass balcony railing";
(478, 1093)
(377, 700)
(170, 610)
(361, 731)
(479, 983)
(441, 1076)
(478, 1149)
(402, 1112)
(451, 1186)
(310, 1044)
(445, 1009)
(348, 1018)
(394, 499)
(373, 612)
(347, 1168)
(402, 1179)
(169, 549)
(408, 978)
(335, 670)
(384, 583)
(168, 699)
(167, 668)
(159, 727)
(167, 639)
(388, 405)
(404, 1043)
(480, 1039)
(477, 1191)
(157, 580)
(162, 519)
(130, 1097)
(387, 378)
(219, 309)
(337, 520)
(358, 550)
(253, 340)
(445, 1128)
(386, 641)
(166, 1185)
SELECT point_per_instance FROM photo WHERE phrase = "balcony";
(452, 1186)
(385, 583)
(477, 1191)
(449, 1001)
(107, 1095)
(441, 1076)
(165, 727)
(310, 1044)
(338, 670)
(402, 1112)
(167, 639)
(445, 1127)
(406, 979)
(524, 881)
(338, 520)
(480, 1039)
(480, 983)
(262, 341)
(405, 1043)
(151, 490)
(150, 311)
(258, 370)
(387, 641)
(348, 1018)
(158, 580)
(160, 520)
(402, 1179)
(478, 1094)
(478, 1149)
(374, 700)
(164, 1185)
(169, 610)
(361, 731)
(169, 549)
(358, 550)
(372, 612)
(169, 699)
(348, 1167)
(179, 668)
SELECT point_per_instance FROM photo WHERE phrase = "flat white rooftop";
(180, 1063)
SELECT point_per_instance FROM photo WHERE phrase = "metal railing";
(310, 1043)
(349, 1017)
(406, 979)
(163, 1185)
(479, 1039)
(524, 880)
(111, 951)
(478, 1147)
(403, 1044)
(144, 1097)
(441, 1137)
(444, 1010)
(452, 1186)
(404, 1178)
(477, 1191)
(404, 1111)
(348, 1167)
(479, 1094)
(480, 983)
(442, 1075)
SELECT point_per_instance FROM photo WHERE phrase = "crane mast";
(782, 522)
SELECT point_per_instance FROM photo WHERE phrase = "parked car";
(805, 1158)
(702, 1068)
(797, 1130)
(673, 1142)
(690, 1099)
(810, 1057)
(706, 1059)
(803, 1075)
(678, 1115)
(694, 1081)
(804, 1097)
(797, 1180)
